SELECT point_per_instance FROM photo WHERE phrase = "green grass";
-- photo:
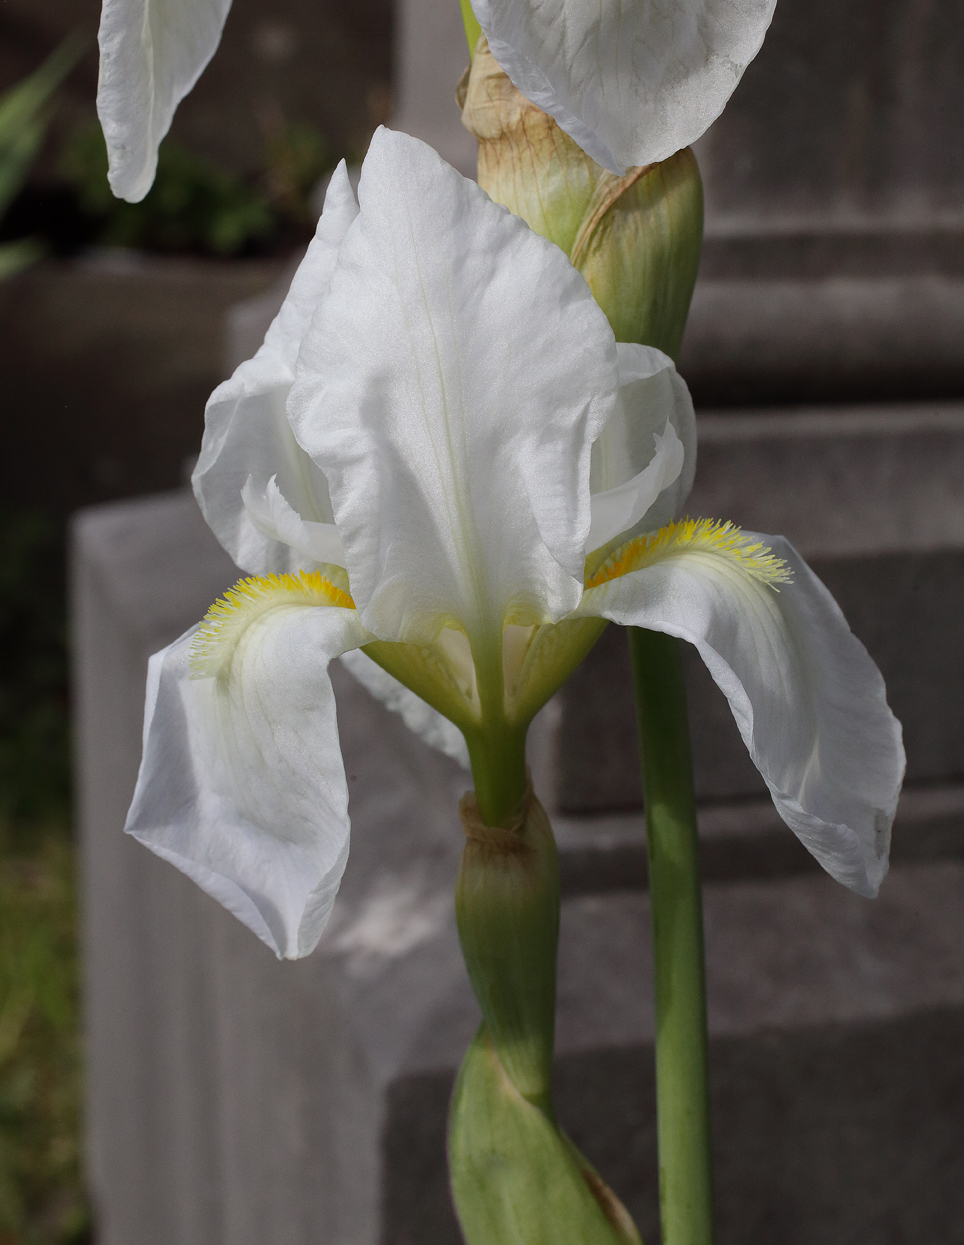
(42, 1199)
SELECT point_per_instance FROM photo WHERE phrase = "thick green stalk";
(516, 1179)
(507, 906)
(682, 1080)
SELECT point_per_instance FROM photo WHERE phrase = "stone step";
(744, 839)
(836, 1062)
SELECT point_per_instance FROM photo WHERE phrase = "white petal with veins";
(632, 81)
(651, 392)
(450, 387)
(621, 508)
(273, 517)
(242, 785)
(151, 53)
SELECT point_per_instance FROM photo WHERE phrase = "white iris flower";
(441, 462)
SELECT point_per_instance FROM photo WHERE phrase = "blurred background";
(833, 278)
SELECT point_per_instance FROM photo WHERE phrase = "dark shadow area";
(836, 1136)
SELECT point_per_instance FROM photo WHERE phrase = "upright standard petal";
(644, 459)
(807, 698)
(260, 493)
(450, 387)
(632, 81)
(151, 54)
(242, 784)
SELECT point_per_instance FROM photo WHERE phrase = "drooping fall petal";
(807, 698)
(632, 81)
(151, 54)
(242, 784)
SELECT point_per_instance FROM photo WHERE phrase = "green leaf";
(24, 117)
(516, 1179)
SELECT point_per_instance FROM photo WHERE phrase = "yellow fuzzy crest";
(229, 617)
(705, 536)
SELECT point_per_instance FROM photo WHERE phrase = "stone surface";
(847, 116)
(237, 1100)
(430, 54)
(212, 1114)
(107, 364)
(824, 338)
(743, 838)
(845, 125)
(835, 1065)
(833, 266)
(834, 226)
(836, 1134)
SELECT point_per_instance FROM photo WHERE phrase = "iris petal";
(807, 698)
(242, 784)
(247, 437)
(450, 386)
(151, 54)
(631, 81)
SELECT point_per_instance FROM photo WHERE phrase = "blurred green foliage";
(24, 116)
(296, 158)
(42, 1199)
(194, 205)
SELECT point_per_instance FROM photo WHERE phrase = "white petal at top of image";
(631, 81)
(151, 54)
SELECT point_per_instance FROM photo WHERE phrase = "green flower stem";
(497, 747)
(682, 1080)
(507, 907)
(498, 757)
(472, 27)
(516, 1178)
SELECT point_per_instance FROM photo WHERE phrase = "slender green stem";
(682, 1080)
(472, 27)
(497, 747)
(498, 756)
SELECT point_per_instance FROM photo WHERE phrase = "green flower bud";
(636, 238)
(507, 905)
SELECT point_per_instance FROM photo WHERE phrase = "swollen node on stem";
(507, 905)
